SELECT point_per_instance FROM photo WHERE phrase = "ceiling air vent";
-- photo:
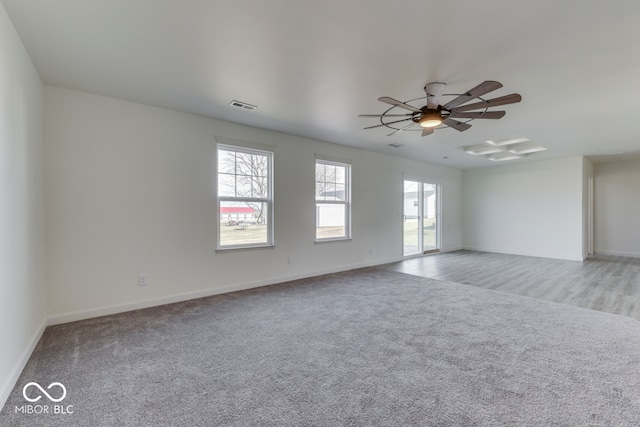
(242, 105)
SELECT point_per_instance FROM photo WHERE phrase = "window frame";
(346, 203)
(267, 200)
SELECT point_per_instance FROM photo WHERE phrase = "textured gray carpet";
(362, 348)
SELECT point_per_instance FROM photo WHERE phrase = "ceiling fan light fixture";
(430, 119)
(434, 116)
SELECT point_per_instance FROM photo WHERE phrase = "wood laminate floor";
(602, 282)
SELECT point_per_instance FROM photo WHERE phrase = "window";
(245, 197)
(333, 200)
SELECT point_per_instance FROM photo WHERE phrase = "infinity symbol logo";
(64, 392)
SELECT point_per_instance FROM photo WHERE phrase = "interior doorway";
(420, 216)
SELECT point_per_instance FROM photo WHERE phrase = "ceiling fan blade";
(388, 123)
(434, 92)
(399, 104)
(427, 131)
(503, 100)
(459, 126)
(401, 129)
(384, 115)
(481, 89)
(477, 115)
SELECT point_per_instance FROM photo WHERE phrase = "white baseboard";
(10, 383)
(618, 253)
(457, 248)
(532, 254)
(121, 308)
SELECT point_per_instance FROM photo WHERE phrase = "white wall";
(617, 208)
(22, 293)
(130, 190)
(533, 208)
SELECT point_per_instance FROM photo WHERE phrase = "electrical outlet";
(143, 280)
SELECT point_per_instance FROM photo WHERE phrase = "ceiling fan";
(433, 115)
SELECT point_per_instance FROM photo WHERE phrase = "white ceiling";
(312, 66)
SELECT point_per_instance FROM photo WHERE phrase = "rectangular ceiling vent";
(396, 145)
(242, 105)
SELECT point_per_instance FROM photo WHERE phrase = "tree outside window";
(245, 203)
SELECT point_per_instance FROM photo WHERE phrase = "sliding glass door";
(411, 215)
(420, 218)
(429, 215)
